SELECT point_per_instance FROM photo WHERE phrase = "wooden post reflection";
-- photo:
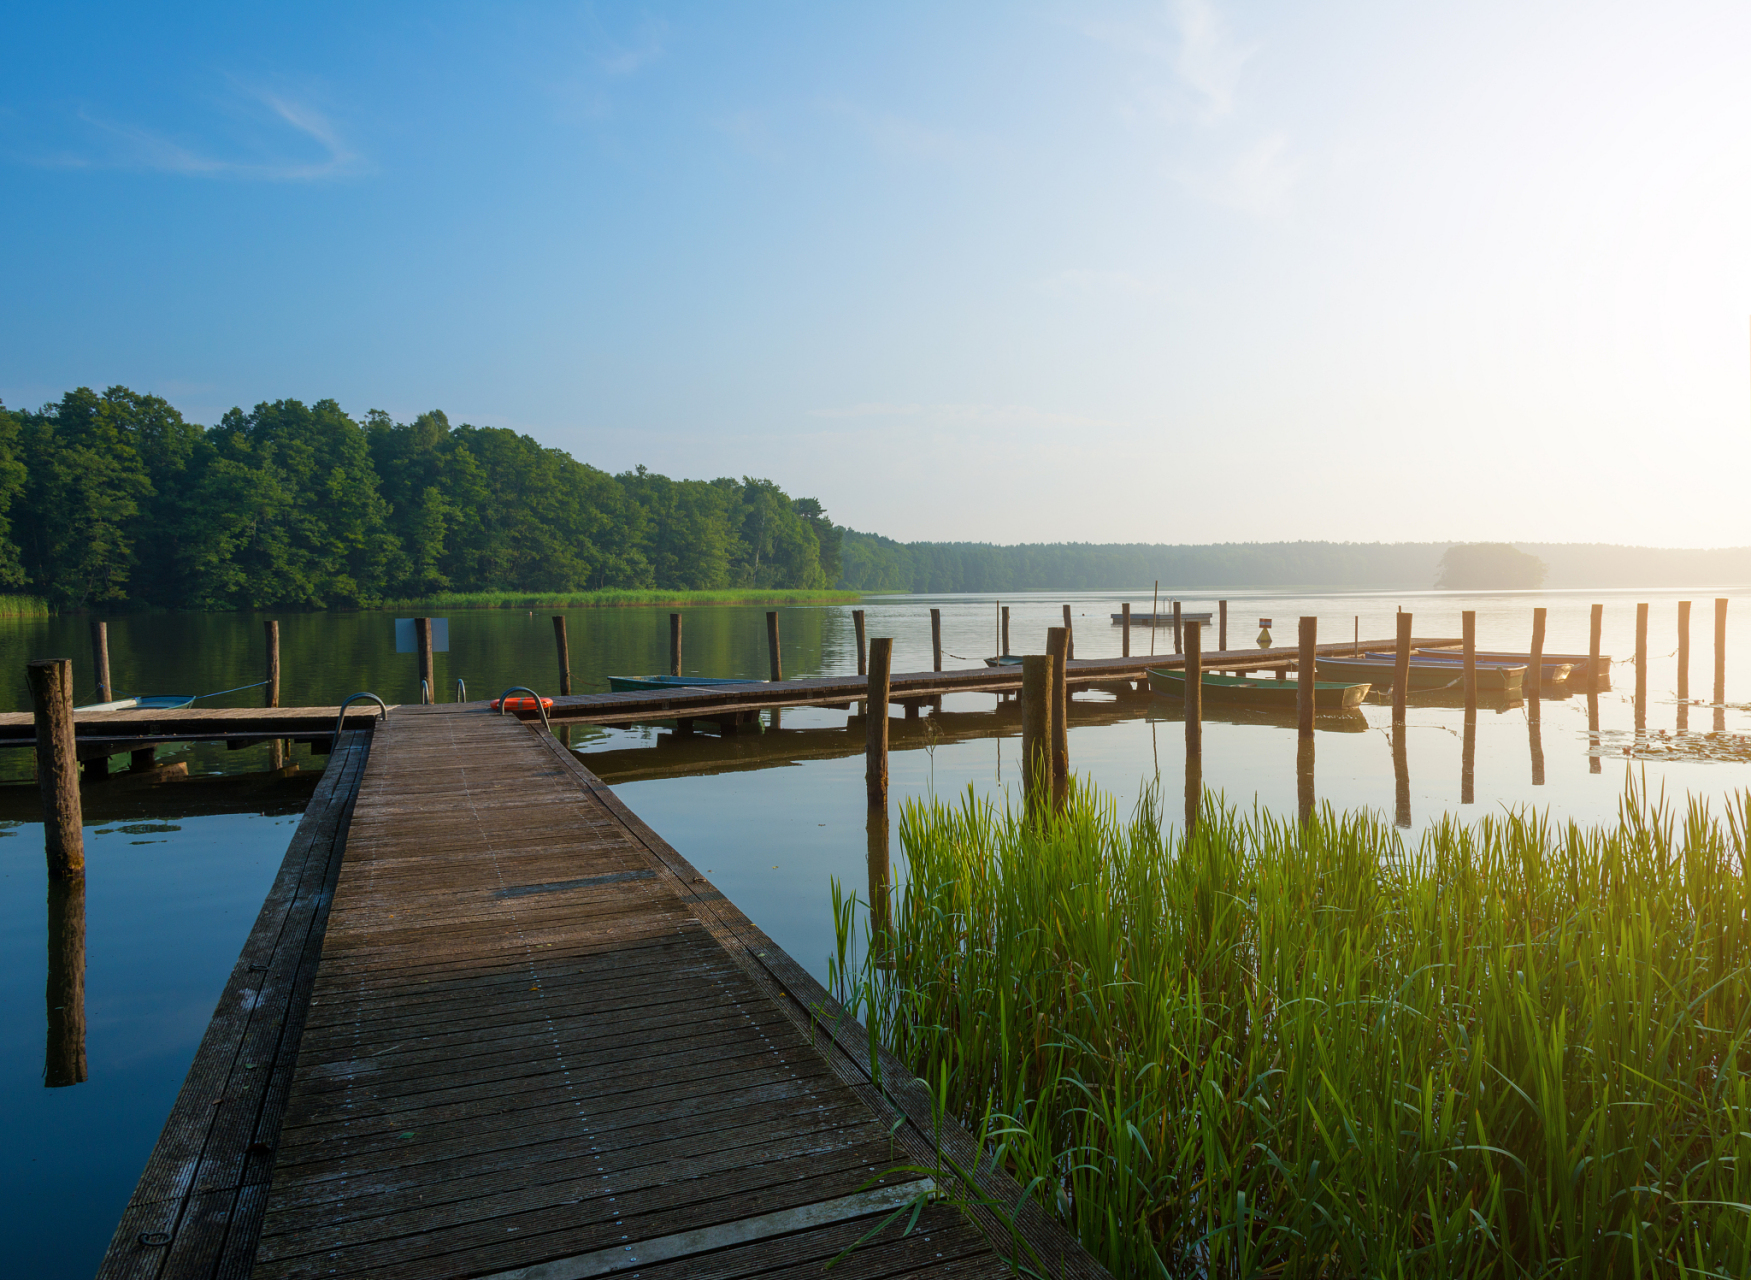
(1194, 790)
(1401, 776)
(1593, 765)
(1304, 780)
(64, 1061)
(1536, 740)
(880, 884)
(1641, 667)
(1468, 762)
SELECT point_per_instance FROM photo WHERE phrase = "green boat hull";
(1277, 695)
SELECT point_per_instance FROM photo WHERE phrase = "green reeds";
(23, 607)
(1276, 1050)
(614, 599)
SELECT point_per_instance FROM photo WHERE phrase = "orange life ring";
(522, 704)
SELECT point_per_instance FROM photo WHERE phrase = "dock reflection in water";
(64, 1060)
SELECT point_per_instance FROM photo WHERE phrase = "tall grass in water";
(23, 607)
(1268, 1050)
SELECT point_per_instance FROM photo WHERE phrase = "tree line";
(116, 500)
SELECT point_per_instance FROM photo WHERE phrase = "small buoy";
(521, 704)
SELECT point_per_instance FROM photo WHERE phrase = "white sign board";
(406, 641)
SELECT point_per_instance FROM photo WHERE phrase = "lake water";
(176, 872)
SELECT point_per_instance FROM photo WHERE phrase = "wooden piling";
(100, 660)
(1468, 659)
(1069, 636)
(1194, 686)
(422, 636)
(772, 646)
(1125, 630)
(1222, 626)
(1720, 652)
(57, 765)
(1306, 665)
(674, 644)
(1178, 635)
(143, 761)
(1683, 650)
(1595, 625)
(64, 1057)
(1535, 668)
(1641, 666)
(936, 639)
(1401, 669)
(1006, 631)
(1038, 675)
(862, 644)
(875, 721)
(1058, 645)
(565, 657)
(880, 885)
(270, 691)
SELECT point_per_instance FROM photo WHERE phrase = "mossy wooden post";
(936, 639)
(875, 721)
(1058, 645)
(862, 643)
(1401, 668)
(1178, 635)
(1194, 687)
(880, 882)
(422, 639)
(1535, 668)
(1720, 652)
(64, 1057)
(1006, 631)
(1069, 636)
(1683, 650)
(270, 691)
(1222, 626)
(100, 660)
(563, 648)
(1306, 675)
(57, 765)
(1641, 666)
(1468, 659)
(1125, 630)
(772, 646)
(1038, 675)
(1595, 625)
(674, 644)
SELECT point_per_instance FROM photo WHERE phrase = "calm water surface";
(177, 872)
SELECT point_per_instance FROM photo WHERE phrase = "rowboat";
(1554, 672)
(1004, 660)
(1577, 664)
(1332, 695)
(1159, 619)
(644, 684)
(1425, 673)
(147, 702)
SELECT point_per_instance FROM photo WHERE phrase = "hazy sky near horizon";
(1179, 272)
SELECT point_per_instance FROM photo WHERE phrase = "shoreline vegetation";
(1266, 1049)
(616, 599)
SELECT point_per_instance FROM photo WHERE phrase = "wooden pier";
(491, 1025)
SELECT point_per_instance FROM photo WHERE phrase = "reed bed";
(1265, 1049)
(23, 607)
(614, 599)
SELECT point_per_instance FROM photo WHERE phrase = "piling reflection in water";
(1593, 764)
(1194, 790)
(64, 1061)
(1536, 741)
(1468, 761)
(1304, 779)
(1401, 776)
(880, 879)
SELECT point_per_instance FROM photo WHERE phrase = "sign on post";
(404, 636)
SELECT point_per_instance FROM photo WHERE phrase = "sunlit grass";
(23, 607)
(1512, 1050)
(614, 599)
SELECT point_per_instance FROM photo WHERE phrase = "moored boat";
(645, 684)
(1328, 695)
(1004, 660)
(1576, 665)
(1379, 669)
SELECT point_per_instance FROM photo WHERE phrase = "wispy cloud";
(270, 129)
(1254, 180)
(1206, 60)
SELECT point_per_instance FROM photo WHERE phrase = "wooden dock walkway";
(533, 1042)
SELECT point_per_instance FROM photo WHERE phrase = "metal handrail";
(461, 690)
(341, 716)
(425, 694)
(523, 688)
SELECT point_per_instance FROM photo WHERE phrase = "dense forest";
(115, 500)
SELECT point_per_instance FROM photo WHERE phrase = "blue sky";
(1169, 272)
